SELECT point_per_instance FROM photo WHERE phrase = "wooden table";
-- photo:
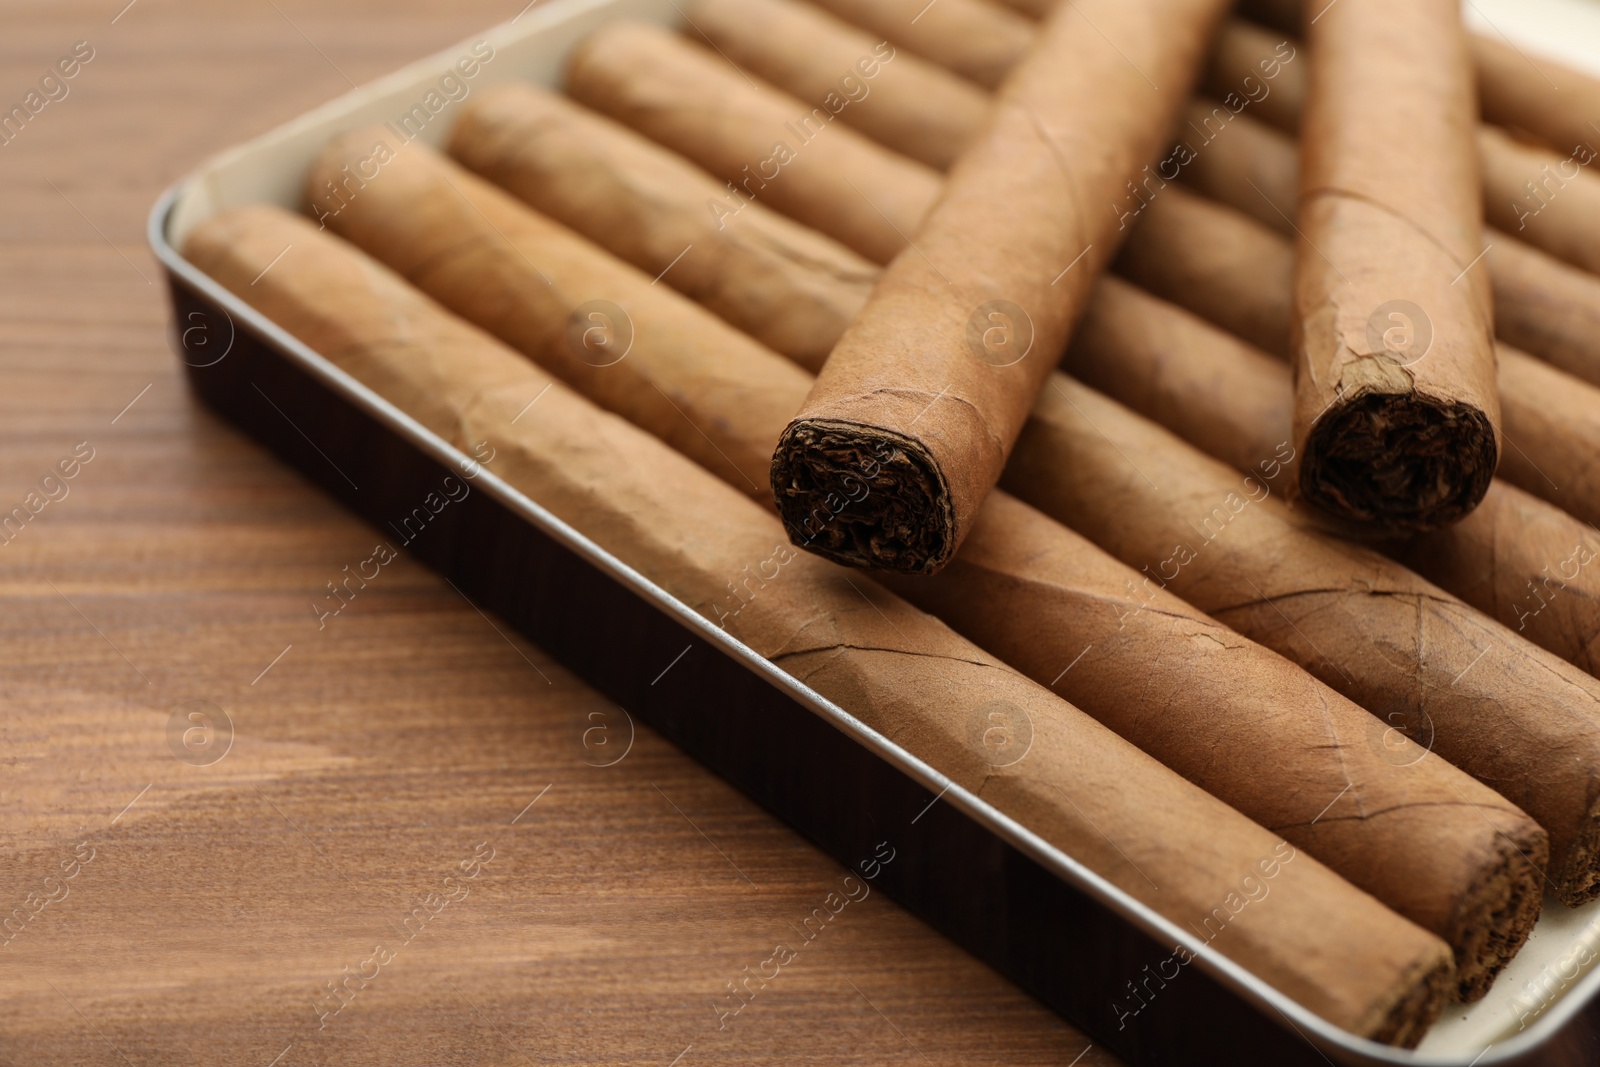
(231, 911)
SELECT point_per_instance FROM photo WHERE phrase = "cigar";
(1550, 417)
(1245, 68)
(1551, 100)
(1256, 69)
(1546, 308)
(1517, 559)
(1254, 72)
(1211, 254)
(934, 371)
(898, 99)
(980, 41)
(1236, 274)
(1494, 705)
(1241, 162)
(1549, 199)
(683, 96)
(1555, 102)
(1246, 725)
(1213, 389)
(564, 308)
(557, 176)
(625, 192)
(786, 285)
(1514, 562)
(1540, 303)
(1553, 422)
(1395, 439)
(1461, 862)
(1128, 819)
(1525, 562)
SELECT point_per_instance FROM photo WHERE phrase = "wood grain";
(370, 758)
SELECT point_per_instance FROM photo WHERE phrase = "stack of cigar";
(1281, 611)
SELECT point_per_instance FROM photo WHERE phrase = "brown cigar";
(1550, 417)
(1079, 786)
(1208, 252)
(1256, 69)
(790, 155)
(1275, 92)
(570, 318)
(785, 284)
(1553, 101)
(975, 38)
(1546, 308)
(1448, 868)
(1495, 705)
(900, 100)
(1227, 269)
(1540, 304)
(934, 372)
(755, 268)
(1230, 400)
(1261, 74)
(1241, 162)
(1525, 562)
(1397, 437)
(1549, 199)
(789, 287)
(1517, 558)
(1552, 425)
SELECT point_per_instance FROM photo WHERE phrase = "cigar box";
(1079, 944)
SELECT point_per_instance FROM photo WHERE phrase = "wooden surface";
(371, 758)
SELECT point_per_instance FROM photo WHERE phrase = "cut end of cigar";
(1408, 1020)
(1577, 874)
(1498, 915)
(1399, 463)
(863, 496)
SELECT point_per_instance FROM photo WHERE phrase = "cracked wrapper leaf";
(1520, 557)
(1397, 418)
(1545, 300)
(1550, 416)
